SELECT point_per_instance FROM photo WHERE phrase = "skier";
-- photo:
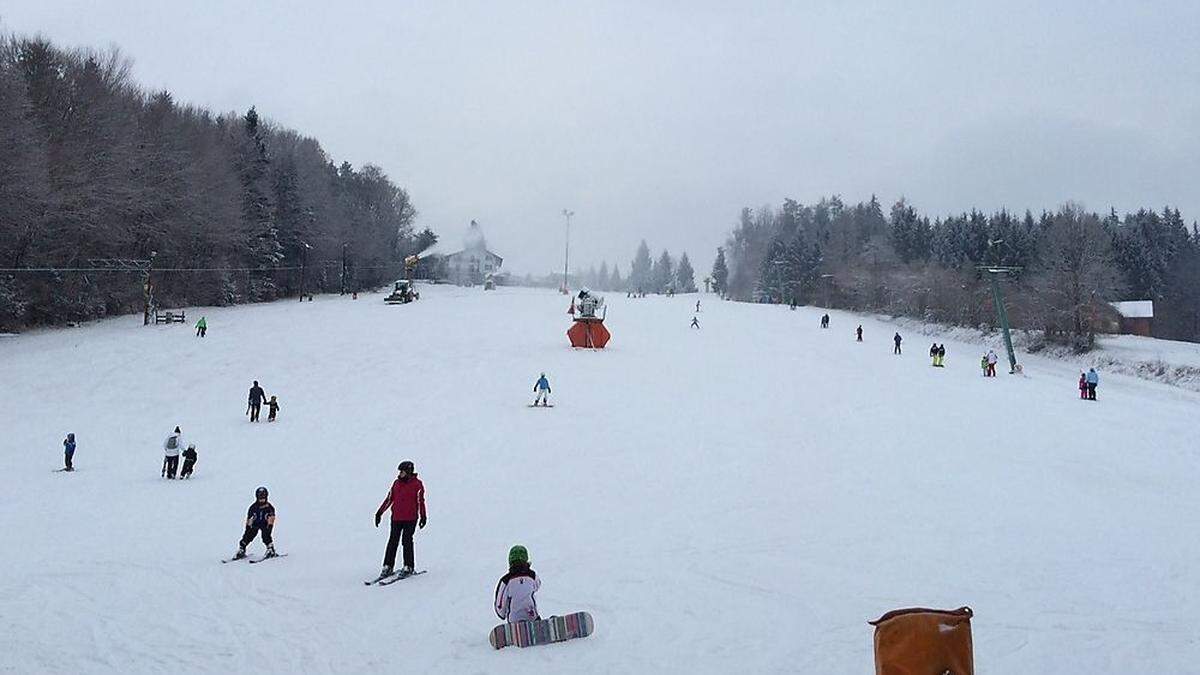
(941, 355)
(695, 322)
(697, 306)
(171, 453)
(254, 402)
(406, 499)
(272, 409)
(983, 363)
(825, 321)
(1093, 379)
(260, 517)
(514, 591)
(542, 389)
(1083, 388)
(201, 327)
(991, 362)
(68, 452)
(933, 353)
(859, 332)
(897, 340)
(189, 461)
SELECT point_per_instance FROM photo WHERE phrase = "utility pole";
(303, 260)
(567, 251)
(343, 268)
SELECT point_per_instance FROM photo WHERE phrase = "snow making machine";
(405, 290)
(587, 331)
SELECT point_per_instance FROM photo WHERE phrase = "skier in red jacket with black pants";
(406, 499)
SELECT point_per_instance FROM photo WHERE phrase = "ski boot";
(241, 553)
(270, 552)
(405, 571)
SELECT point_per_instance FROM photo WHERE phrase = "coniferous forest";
(1061, 268)
(104, 185)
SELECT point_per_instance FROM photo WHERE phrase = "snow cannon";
(588, 331)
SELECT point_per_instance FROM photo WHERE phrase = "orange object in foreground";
(921, 641)
(588, 333)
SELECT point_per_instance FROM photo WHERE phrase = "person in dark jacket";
(515, 591)
(825, 321)
(69, 452)
(260, 517)
(941, 355)
(189, 461)
(255, 401)
(406, 499)
(858, 332)
(272, 409)
(897, 339)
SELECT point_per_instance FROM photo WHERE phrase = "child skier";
(514, 591)
(189, 461)
(542, 389)
(1083, 388)
(69, 452)
(201, 327)
(171, 453)
(260, 517)
(272, 409)
(983, 363)
(406, 499)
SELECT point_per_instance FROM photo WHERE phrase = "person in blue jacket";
(69, 452)
(542, 389)
(1093, 379)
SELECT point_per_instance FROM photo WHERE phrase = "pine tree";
(639, 270)
(616, 283)
(663, 274)
(602, 278)
(685, 276)
(720, 273)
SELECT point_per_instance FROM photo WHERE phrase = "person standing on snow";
(171, 448)
(272, 409)
(991, 362)
(542, 389)
(1083, 388)
(697, 306)
(983, 364)
(68, 452)
(255, 401)
(201, 327)
(825, 321)
(897, 339)
(1093, 380)
(941, 355)
(858, 332)
(406, 499)
(260, 517)
(933, 352)
(695, 322)
(189, 461)
(514, 591)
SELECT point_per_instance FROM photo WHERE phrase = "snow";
(1135, 309)
(745, 496)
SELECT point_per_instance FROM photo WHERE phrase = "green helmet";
(518, 554)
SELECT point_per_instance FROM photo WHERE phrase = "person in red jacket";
(406, 499)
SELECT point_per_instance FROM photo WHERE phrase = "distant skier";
(941, 355)
(897, 339)
(189, 461)
(825, 321)
(255, 401)
(991, 362)
(542, 389)
(272, 409)
(1083, 388)
(201, 327)
(69, 452)
(171, 448)
(983, 363)
(695, 322)
(858, 332)
(933, 353)
(406, 499)
(515, 591)
(697, 306)
(1093, 380)
(260, 517)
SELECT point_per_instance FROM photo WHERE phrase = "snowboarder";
(825, 321)
(695, 322)
(897, 339)
(858, 332)
(1083, 388)
(260, 517)
(515, 590)
(255, 400)
(201, 327)
(406, 499)
(991, 362)
(68, 452)
(272, 409)
(189, 461)
(171, 453)
(941, 355)
(1093, 379)
(542, 389)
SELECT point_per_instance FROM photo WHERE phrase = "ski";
(267, 557)
(229, 560)
(400, 577)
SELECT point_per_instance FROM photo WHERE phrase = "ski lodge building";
(474, 262)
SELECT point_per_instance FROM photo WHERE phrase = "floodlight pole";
(567, 250)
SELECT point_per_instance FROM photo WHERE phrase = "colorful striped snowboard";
(543, 631)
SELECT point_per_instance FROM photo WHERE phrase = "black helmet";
(406, 466)
(260, 493)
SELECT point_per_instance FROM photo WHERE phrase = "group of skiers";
(938, 354)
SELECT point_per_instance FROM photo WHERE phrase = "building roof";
(474, 250)
(1135, 309)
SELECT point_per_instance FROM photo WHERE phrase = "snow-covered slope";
(740, 497)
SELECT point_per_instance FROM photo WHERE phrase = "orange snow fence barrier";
(588, 333)
(922, 641)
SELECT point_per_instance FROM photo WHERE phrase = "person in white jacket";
(514, 591)
(171, 449)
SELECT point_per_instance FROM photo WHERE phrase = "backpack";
(173, 442)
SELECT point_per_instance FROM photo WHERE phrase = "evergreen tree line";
(662, 275)
(1067, 265)
(93, 168)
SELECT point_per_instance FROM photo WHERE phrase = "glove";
(378, 516)
(421, 524)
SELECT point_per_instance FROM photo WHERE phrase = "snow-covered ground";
(743, 497)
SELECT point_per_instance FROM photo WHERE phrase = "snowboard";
(542, 631)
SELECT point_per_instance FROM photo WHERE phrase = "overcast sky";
(662, 119)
